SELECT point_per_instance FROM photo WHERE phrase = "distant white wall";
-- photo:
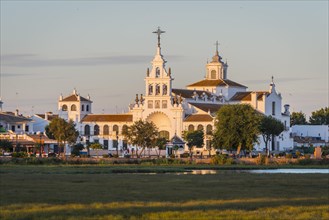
(311, 131)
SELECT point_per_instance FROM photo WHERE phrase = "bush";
(288, 155)
(185, 155)
(307, 156)
(106, 156)
(262, 160)
(221, 159)
(19, 154)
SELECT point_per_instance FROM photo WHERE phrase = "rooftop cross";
(158, 32)
(217, 46)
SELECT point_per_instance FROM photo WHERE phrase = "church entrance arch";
(162, 122)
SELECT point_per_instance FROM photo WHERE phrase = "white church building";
(175, 110)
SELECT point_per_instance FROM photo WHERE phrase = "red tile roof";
(213, 108)
(108, 118)
(216, 82)
(198, 118)
(11, 118)
(246, 96)
(74, 98)
(50, 116)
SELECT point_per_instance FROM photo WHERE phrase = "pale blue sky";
(104, 48)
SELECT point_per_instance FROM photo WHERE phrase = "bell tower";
(158, 81)
(216, 69)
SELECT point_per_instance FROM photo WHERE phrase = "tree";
(270, 127)
(236, 127)
(193, 139)
(6, 145)
(96, 146)
(320, 117)
(297, 118)
(63, 131)
(161, 144)
(141, 133)
(76, 149)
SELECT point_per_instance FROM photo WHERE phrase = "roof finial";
(158, 32)
(217, 47)
(272, 79)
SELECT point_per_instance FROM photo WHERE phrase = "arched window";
(191, 128)
(106, 130)
(209, 129)
(157, 72)
(87, 130)
(96, 130)
(157, 89)
(116, 129)
(82, 107)
(164, 89)
(73, 107)
(150, 89)
(164, 134)
(200, 127)
(64, 108)
(213, 74)
(124, 129)
(87, 108)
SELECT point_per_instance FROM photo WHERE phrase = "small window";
(82, 107)
(150, 104)
(13, 128)
(106, 144)
(157, 72)
(18, 127)
(209, 129)
(64, 108)
(191, 128)
(273, 108)
(213, 74)
(124, 128)
(164, 89)
(26, 128)
(106, 130)
(157, 103)
(73, 107)
(96, 130)
(87, 130)
(87, 108)
(157, 89)
(164, 104)
(116, 129)
(200, 127)
(150, 89)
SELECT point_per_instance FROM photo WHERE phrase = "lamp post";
(117, 144)
(40, 143)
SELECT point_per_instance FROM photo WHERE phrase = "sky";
(103, 48)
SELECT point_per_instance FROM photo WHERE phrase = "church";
(174, 110)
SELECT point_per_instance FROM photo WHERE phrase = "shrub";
(221, 159)
(261, 160)
(185, 155)
(307, 156)
(288, 155)
(19, 154)
(106, 156)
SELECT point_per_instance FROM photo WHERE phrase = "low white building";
(310, 135)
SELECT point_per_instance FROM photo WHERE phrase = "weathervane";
(158, 32)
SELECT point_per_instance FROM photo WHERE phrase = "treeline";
(318, 117)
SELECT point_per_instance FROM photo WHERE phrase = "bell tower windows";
(150, 89)
(164, 89)
(213, 74)
(157, 72)
(157, 89)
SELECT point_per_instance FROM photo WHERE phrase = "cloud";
(32, 60)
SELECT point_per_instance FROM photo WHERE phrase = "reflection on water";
(268, 171)
(324, 171)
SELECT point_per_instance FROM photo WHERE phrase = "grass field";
(98, 192)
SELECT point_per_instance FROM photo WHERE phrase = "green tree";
(141, 133)
(161, 144)
(64, 132)
(236, 127)
(193, 139)
(76, 149)
(96, 146)
(297, 118)
(6, 145)
(270, 127)
(320, 117)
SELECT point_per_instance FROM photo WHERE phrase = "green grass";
(98, 192)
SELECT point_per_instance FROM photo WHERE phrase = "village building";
(174, 110)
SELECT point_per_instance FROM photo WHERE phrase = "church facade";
(175, 110)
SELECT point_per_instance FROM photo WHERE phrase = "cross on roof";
(158, 32)
(217, 46)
